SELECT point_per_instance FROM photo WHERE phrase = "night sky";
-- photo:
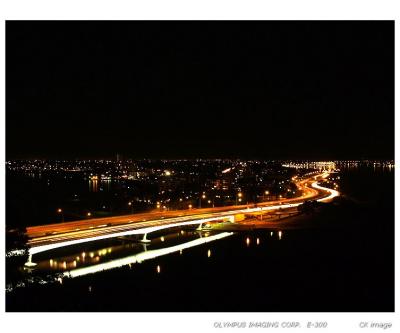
(301, 90)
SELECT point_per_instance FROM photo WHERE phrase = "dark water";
(344, 262)
(33, 199)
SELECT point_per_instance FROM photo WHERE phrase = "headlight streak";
(43, 248)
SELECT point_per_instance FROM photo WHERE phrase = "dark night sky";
(200, 89)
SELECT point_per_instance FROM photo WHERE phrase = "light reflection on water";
(64, 260)
(123, 252)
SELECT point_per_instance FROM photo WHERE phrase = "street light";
(203, 196)
(60, 211)
(239, 195)
(190, 206)
(89, 214)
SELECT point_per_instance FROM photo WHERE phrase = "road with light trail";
(97, 228)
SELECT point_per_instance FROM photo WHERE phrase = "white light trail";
(333, 193)
(141, 231)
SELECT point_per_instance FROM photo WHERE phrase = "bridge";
(136, 229)
(67, 234)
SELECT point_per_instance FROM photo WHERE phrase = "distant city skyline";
(257, 90)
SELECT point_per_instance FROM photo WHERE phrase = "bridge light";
(59, 210)
(158, 269)
(209, 253)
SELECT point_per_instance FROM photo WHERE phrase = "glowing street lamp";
(202, 197)
(60, 211)
(89, 214)
(190, 206)
(239, 196)
(130, 205)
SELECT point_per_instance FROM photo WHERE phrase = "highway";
(100, 228)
